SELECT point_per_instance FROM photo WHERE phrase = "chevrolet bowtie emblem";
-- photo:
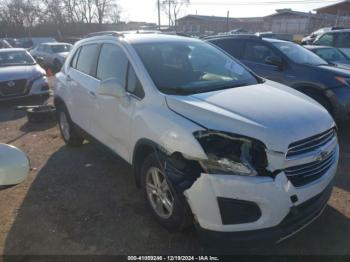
(322, 156)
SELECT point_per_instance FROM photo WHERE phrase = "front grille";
(303, 174)
(13, 88)
(311, 143)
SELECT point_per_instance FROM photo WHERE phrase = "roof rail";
(104, 33)
(230, 36)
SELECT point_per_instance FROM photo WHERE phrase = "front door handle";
(92, 93)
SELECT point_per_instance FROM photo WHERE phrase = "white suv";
(210, 142)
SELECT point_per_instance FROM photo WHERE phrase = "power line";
(266, 2)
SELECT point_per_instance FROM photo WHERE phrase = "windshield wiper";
(177, 90)
(196, 90)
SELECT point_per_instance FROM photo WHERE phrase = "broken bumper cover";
(298, 218)
(275, 197)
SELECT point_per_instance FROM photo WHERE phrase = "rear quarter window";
(86, 62)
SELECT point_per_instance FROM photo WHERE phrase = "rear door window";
(87, 58)
(231, 46)
(257, 52)
(112, 63)
(326, 39)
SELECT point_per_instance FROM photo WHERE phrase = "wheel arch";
(142, 149)
(58, 101)
(310, 90)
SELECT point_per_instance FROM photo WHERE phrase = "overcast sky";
(146, 10)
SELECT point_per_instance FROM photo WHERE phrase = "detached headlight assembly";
(232, 154)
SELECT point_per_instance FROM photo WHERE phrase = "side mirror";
(111, 87)
(14, 165)
(275, 61)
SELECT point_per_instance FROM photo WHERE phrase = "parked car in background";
(308, 40)
(51, 54)
(11, 41)
(266, 35)
(31, 42)
(238, 31)
(293, 65)
(70, 39)
(20, 75)
(209, 141)
(338, 38)
(332, 55)
(4, 44)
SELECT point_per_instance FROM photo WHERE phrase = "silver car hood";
(270, 112)
(8, 73)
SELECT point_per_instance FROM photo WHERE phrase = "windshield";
(191, 67)
(331, 54)
(10, 58)
(61, 48)
(298, 54)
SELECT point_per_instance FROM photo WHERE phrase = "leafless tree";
(87, 9)
(55, 11)
(113, 14)
(19, 17)
(102, 6)
(174, 8)
(21, 13)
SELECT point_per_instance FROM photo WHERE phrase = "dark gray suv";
(293, 65)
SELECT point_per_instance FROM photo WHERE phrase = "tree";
(173, 8)
(102, 7)
(21, 13)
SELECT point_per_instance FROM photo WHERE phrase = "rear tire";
(68, 131)
(167, 206)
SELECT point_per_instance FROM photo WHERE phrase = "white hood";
(272, 113)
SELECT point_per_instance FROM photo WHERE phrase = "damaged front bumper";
(240, 208)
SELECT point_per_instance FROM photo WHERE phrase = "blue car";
(293, 65)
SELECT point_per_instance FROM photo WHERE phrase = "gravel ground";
(84, 201)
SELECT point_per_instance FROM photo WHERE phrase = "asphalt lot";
(84, 201)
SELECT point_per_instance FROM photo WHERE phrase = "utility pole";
(169, 13)
(227, 23)
(158, 14)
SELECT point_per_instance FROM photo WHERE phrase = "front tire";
(167, 206)
(69, 133)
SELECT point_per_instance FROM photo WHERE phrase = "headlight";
(36, 77)
(342, 80)
(231, 154)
